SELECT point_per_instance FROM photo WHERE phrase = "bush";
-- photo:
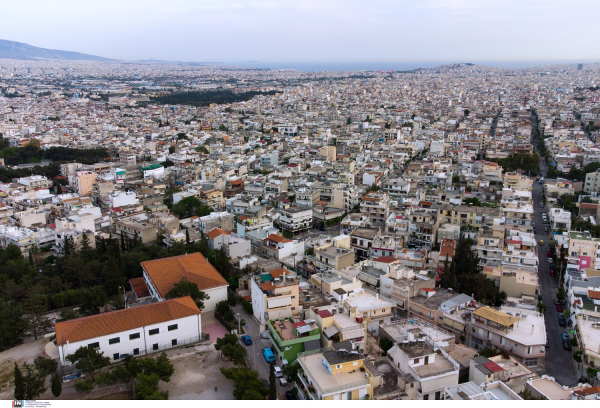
(45, 366)
(247, 306)
(82, 386)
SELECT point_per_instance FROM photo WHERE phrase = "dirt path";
(24, 353)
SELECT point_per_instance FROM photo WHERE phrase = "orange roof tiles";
(215, 232)
(118, 321)
(278, 238)
(165, 273)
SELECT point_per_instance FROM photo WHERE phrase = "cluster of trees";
(522, 161)
(146, 372)
(579, 174)
(247, 385)
(231, 348)
(83, 276)
(30, 381)
(205, 98)
(33, 154)
(188, 207)
(462, 275)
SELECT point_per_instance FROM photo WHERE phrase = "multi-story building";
(291, 336)
(295, 219)
(84, 182)
(583, 249)
(416, 351)
(559, 219)
(519, 332)
(274, 295)
(592, 182)
(376, 206)
(362, 241)
(338, 374)
(466, 214)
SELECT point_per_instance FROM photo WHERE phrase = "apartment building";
(466, 214)
(416, 351)
(274, 295)
(291, 337)
(521, 334)
(338, 374)
(587, 333)
(559, 219)
(84, 183)
(517, 213)
(375, 206)
(369, 306)
(362, 240)
(490, 245)
(296, 219)
(583, 249)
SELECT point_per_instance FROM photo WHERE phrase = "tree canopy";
(187, 288)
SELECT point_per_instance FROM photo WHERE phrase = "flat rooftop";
(399, 330)
(530, 330)
(551, 389)
(316, 369)
(365, 301)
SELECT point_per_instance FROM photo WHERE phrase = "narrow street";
(255, 356)
(559, 362)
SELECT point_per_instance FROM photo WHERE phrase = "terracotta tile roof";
(324, 313)
(594, 294)
(215, 232)
(493, 367)
(386, 259)
(139, 287)
(278, 238)
(165, 273)
(118, 321)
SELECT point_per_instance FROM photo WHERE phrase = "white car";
(278, 372)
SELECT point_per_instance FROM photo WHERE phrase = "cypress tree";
(56, 385)
(272, 384)
(19, 384)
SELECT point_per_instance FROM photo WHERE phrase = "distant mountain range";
(22, 51)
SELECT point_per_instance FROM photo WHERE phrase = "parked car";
(557, 302)
(562, 322)
(566, 345)
(559, 308)
(283, 381)
(565, 336)
(278, 372)
(551, 272)
(551, 261)
(549, 253)
(289, 395)
(268, 355)
(247, 340)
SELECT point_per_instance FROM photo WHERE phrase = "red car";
(551, 272)
(549, 253)
(559, 308)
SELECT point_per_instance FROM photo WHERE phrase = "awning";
(331, 331)
(312, 345)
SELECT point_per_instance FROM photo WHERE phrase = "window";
(172, 327)
(115, 340)
(136, 351)
(382, 310)
(155, 346)
(531, 362)
(174, 342)
(153, 332)
(116, 356)
(94, 345)
(416, 361)
(134, 336)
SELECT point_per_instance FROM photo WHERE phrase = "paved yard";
(215, 331)
(197, 373)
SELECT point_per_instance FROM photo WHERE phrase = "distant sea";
(320, 66)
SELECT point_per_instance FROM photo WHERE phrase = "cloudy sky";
(309, 30)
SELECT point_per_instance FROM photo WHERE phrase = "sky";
(310, 30)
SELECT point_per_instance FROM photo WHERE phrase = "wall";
(188, 327)
(216, 295)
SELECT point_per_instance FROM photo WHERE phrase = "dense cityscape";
(213, 232)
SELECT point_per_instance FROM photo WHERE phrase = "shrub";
(82, 386)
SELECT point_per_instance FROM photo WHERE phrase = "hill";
(22, 51)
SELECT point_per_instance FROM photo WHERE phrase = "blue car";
(247, 340)
(268, 355)
(565, 336)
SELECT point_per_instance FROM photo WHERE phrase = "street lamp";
(238, 317)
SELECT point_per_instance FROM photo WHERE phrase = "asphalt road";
(255, 356)
(559, 362)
